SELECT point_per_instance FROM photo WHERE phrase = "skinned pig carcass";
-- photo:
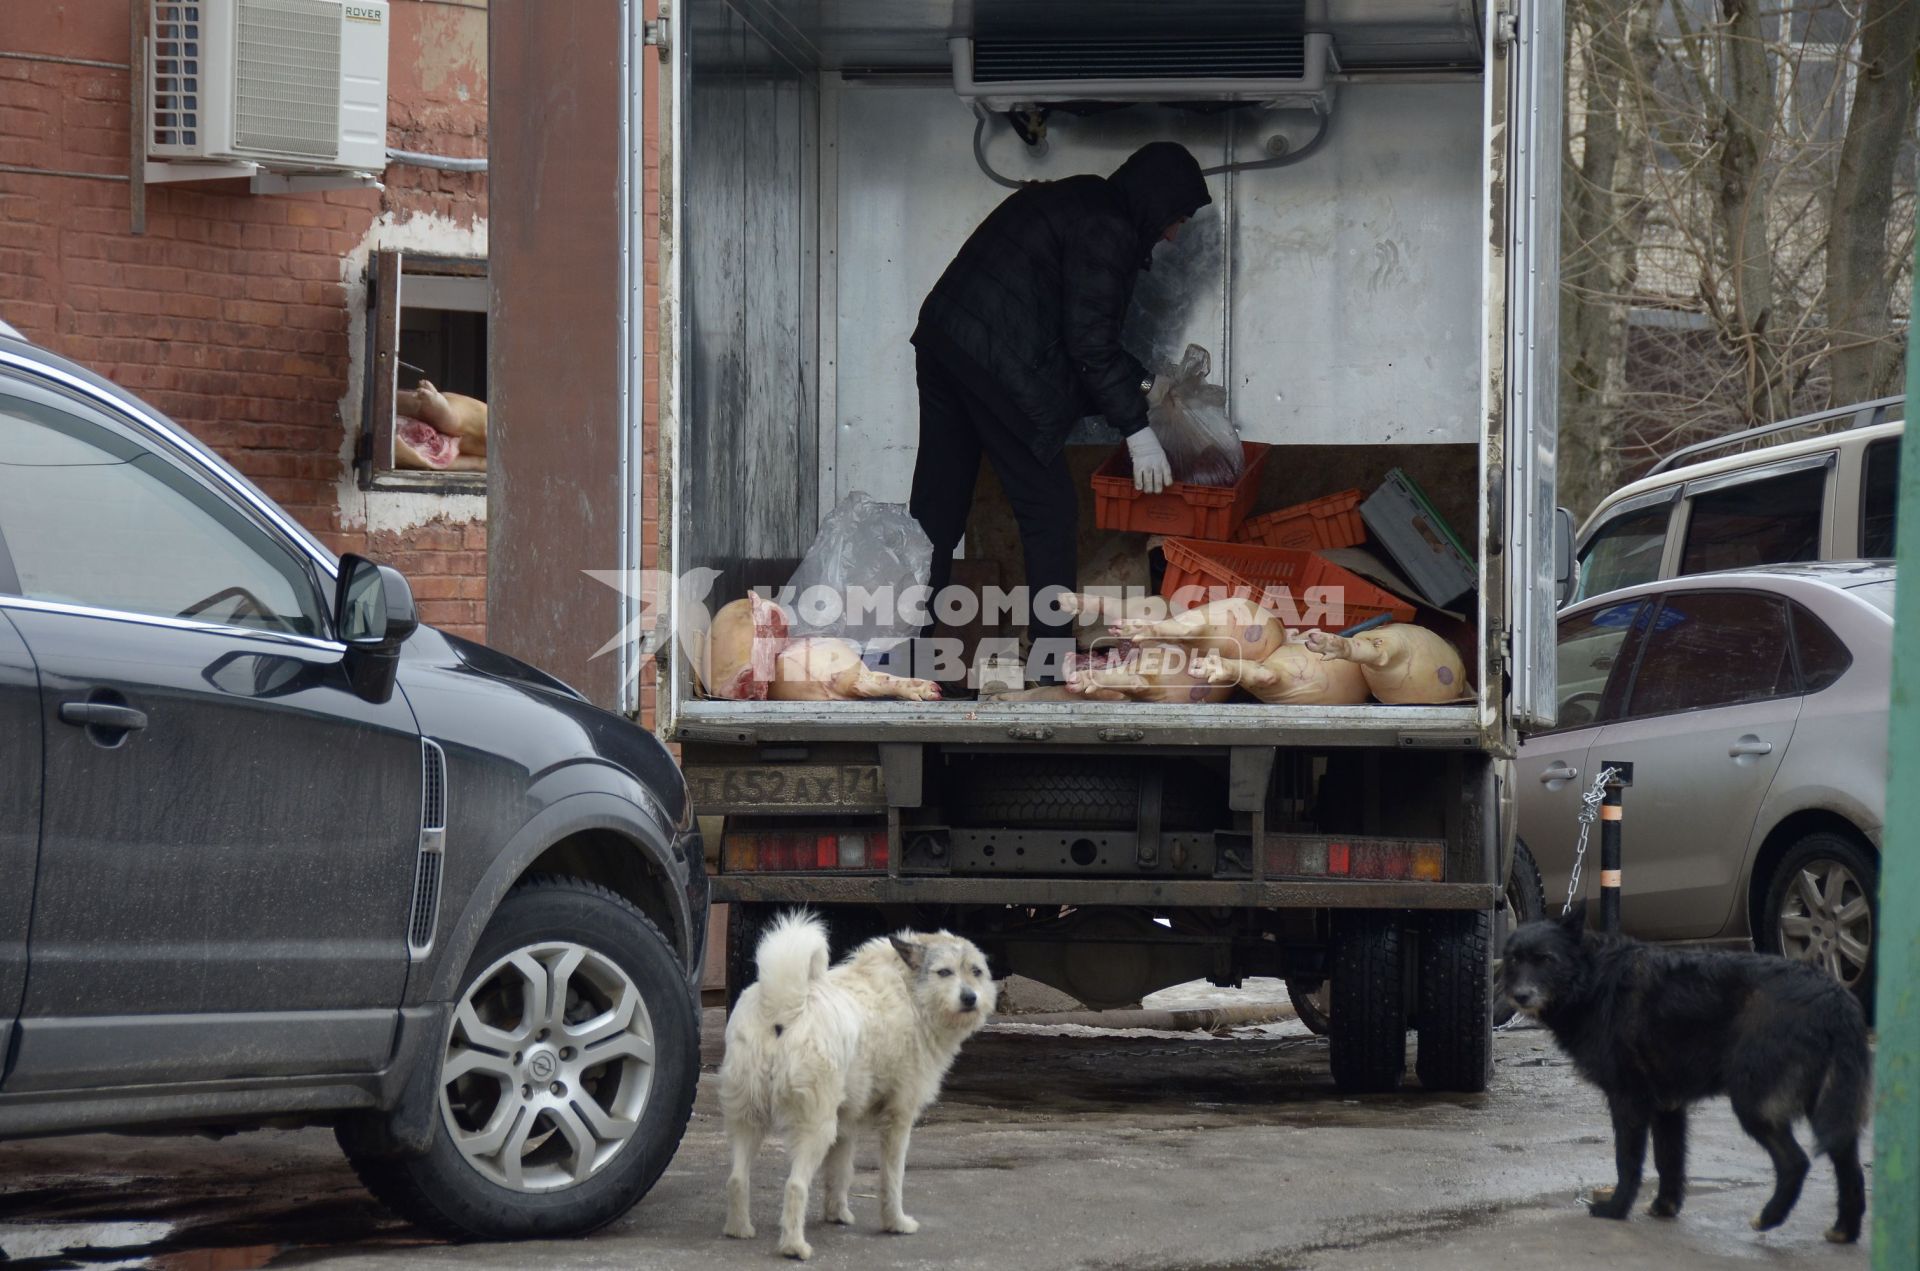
(1231, 627)
(1163, 673)
(825, 669)
(1294, 675)
(743, 641)
(1405, 665)
(439, 431)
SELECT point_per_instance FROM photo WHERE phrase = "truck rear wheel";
(1454, 1015)
(746, 921)
(1369, 1001)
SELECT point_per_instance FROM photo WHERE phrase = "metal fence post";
(1896, 1128)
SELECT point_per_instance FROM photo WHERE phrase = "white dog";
(823, 1052)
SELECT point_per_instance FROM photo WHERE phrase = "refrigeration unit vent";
(1281, 57)
(1288, 68)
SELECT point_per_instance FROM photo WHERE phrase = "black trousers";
(958, 425)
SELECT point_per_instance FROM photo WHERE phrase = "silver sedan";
(1752, 705)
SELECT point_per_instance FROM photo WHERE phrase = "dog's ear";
(910, 953)
(1574, 921)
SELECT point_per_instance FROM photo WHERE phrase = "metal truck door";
(1529, 37)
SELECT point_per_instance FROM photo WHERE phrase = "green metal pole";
(1896, 1127)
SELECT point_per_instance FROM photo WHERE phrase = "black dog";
(1657, 1029)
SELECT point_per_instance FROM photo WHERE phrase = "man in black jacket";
(1020, 338)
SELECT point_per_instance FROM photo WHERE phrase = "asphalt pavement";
(1054, 1148)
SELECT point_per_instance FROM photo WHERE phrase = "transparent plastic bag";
(856, 580)
(1191, 422)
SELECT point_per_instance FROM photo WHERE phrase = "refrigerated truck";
(1376, 281)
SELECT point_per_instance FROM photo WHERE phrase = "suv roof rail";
(1865, 415)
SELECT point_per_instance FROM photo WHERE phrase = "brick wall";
(233, 313)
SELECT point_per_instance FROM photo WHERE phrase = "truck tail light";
(790, 850)
(1299, 855)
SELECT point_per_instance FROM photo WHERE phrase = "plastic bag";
(1191, 422)
(856, 579)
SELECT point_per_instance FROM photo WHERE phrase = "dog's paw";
(903, 1225)
(842, 1215)
(1841, 1236)
(796, 1248)
(1664, 1207)
(739, 1229)
(1608, 1203)
(1766, 1220)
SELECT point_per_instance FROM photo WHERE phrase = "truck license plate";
(786, 788)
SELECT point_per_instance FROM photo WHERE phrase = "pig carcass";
(1405, 665)
(743, 640)
(1151, 673)
(1231, 627)
(440, 431)
(1294, 675)
(824, 669)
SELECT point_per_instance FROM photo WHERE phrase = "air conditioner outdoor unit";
(1283, 69)
(277, 85)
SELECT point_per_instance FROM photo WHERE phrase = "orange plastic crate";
(1282, 578)
(1181, 510)
(1331, 521)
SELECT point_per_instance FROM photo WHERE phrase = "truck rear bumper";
(881, 889)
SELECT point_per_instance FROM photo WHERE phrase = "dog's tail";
(1841, 1106)
(792, 957)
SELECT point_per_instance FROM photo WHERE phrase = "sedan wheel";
(1820, 908)
(548, 1067)
(1826, 919)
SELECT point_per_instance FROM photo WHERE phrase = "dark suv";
(271, 853)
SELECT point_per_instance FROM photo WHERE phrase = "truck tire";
(1526, 902)
(1309, 998)
(745, 921)
(1453, 1015)
(623, 1035)
(1369, 1007)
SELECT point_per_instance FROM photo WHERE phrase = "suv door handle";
(1558, 772)
(1749, 745)
(102, 715)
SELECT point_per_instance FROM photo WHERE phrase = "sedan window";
(1589, 647)
(91, 517)
(1713, 648)
(1823, 658)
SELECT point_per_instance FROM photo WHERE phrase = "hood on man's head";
(1161, 183)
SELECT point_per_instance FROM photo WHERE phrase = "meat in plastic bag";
(855, 580)
(1191, 422)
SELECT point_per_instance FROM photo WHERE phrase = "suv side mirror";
(373, 615)
(1563, 571)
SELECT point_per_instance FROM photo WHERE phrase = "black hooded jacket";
(1034, 300)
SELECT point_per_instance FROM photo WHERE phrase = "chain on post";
(1589, 812)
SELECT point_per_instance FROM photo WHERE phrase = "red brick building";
(244, 316)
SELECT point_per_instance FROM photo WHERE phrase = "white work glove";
(1151, 471)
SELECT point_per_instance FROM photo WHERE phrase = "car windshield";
(1879, 595)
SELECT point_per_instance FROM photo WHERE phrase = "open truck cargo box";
(1361, 303)
(1384, 302)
